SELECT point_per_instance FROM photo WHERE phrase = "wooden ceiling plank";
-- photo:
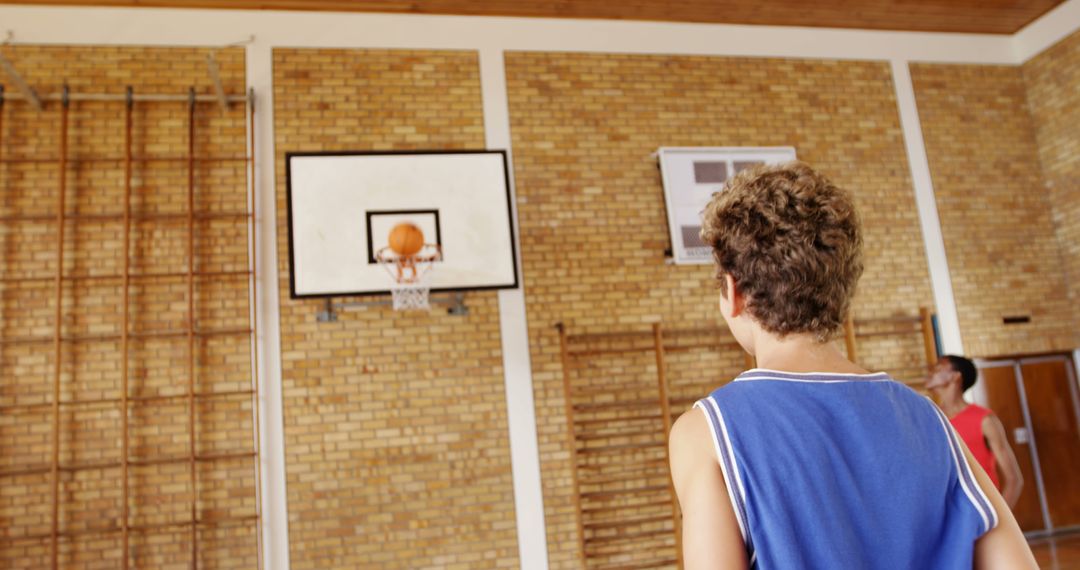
(965, 16)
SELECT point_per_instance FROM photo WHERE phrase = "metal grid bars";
(189, 325)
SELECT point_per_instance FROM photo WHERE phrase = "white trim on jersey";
(725, 456)
(810, 377)
(966, 476)
(723, 459)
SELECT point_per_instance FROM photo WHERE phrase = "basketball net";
(411, 289)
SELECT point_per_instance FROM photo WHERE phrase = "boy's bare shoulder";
(690, 441)
(689, 427)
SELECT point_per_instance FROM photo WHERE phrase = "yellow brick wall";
(395, 424)
(1053, 88)
(592, 213)
(995, 211)
(90, 500)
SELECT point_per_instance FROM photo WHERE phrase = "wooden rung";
(101, 401)
(646, 349)
(897, 319)
(215, 521)
(586, 337)
(606, 449)
(627, 536)
(608, 391)
(200, 458)
(103, 465)
(120, 217)
(595, 436)
(197, 333)
(90, 466)
(212, 521)
(113, 277)
(712, 330)
(603, 351)
(132, 335)
(616, 405)
(48, 405)
(627, 522)
(197, 396)
(637, 418)
(701, 346)
(613, 480)
(613, 552)
(16, 408)
(657, 563)
(645, 505)
(608, 495)
(39, 469)
(639, 393)
(635, 466)
(106, 159)
(890, 332)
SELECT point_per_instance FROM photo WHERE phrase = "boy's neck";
(801, 353)
(951, 400)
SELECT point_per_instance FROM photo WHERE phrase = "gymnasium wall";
(591, 207)
(997, 215)
(396, 442)
(395, 425)
(1053, 90)
(90, 428)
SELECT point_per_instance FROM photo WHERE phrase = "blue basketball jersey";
(831, 471)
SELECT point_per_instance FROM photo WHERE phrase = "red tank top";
(968, 424)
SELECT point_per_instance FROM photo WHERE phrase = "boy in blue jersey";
(809, 461)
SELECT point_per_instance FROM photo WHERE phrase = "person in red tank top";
(980, 429)
(969, 424)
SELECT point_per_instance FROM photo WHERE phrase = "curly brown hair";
(791, 241)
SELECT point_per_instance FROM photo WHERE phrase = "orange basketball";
(406, 239)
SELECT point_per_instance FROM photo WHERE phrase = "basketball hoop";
(407, 258)
(410, 289)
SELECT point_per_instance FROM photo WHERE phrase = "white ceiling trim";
(1049, 29)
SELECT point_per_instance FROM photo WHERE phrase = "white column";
(520, 411)
(940, 280)
(275, 518)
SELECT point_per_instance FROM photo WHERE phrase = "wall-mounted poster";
(691, 175)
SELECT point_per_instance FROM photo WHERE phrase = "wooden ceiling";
(971, 16)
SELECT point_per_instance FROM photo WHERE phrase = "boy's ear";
(737, 301)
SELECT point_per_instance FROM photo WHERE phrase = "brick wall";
(1053, 91)
(592, 213)
(160, 493)
(995, 211)
(395, 424)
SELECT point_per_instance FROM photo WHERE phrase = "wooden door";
(1049, 385)
(1003, 396)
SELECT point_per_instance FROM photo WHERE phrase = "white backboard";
(341, 206)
